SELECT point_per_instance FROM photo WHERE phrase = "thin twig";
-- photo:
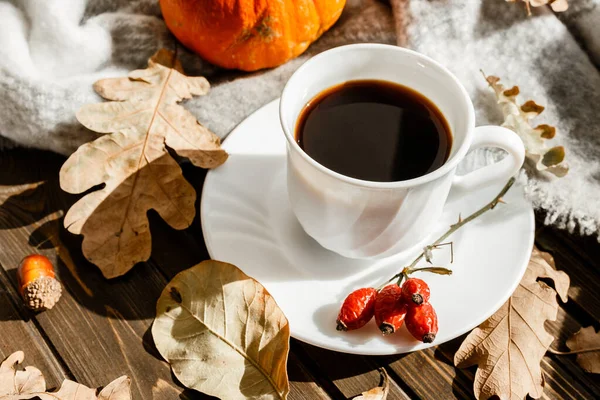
(579, 351)
(453, 228)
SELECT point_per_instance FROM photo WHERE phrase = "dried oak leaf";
(509, 346)
(133, 165)
(223, 333)
(15, 379)
(379, 392)
(587, 339)
(517, 118)
(557, 5)
(21, 383)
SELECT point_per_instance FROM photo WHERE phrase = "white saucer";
(247, 221)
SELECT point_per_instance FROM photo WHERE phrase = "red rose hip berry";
(357, 310)
(390, 310)
(416, 291)
(421, 322)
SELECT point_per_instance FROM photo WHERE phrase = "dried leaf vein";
(529, 326)
(491, 331)
(524, 360)
(250, 374)
(234, 347)
(536, 294)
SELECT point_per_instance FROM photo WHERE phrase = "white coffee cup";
(363, 219)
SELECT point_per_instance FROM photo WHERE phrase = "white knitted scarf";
(51, 51)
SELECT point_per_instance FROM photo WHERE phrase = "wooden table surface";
(101, 329)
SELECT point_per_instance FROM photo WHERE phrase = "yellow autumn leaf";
(129, 170)
(223, 333)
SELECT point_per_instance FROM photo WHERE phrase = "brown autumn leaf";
(379, 392)
(130, 170)
(223, 333)
(20, 383)
(509, 346)
(556, 5)
(517, 118)
(586, 339)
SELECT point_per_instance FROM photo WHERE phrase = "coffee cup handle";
(501, 171)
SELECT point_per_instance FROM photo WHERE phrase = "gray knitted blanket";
(51, 51)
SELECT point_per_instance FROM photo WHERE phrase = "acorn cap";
(42, 293)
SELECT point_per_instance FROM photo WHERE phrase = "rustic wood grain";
(303, 383)
(100, 329)
(564, 326)
(18, 334)
(350, 374)
(580, 258)
(430, 373)
(560, 384)
(17, 330)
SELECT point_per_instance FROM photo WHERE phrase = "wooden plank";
(18, 334)
(17, 330)
(572, 254)
(303, 384)
(430, 373)
(113, 317)
(350, 374)
(101, 328)
(587, 248)
(432, 380)
(580, 258)
(560, 384)
(98, 328)
(559, 367)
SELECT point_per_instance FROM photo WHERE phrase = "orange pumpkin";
(249, 34)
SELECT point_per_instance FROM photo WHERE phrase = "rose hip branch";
(394, 303)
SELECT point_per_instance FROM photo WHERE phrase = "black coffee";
(374, 130)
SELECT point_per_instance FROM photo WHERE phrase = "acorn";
(38, 285)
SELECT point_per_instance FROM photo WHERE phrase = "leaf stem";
(453, 228)
(566, 353)
(435, 270)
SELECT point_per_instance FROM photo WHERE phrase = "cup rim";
(433, 175)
